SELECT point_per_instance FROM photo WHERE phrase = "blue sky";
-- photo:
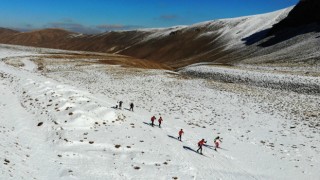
(94, 16)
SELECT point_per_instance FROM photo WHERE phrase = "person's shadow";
(209, 146)
(114, 107)
(189, 149)
(147, 124)
(173, 137)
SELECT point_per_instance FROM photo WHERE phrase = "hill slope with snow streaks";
(256, 39)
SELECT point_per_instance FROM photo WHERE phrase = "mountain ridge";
(250, 39)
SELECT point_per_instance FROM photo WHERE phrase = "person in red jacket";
(153, 118)
(200, 144)
(160, 121)
(180, 134)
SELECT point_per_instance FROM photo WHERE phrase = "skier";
(217, 142)
(200, 144)
(153, 118)
(120, 104)
(180, 134)
(160, 121)
(131, 107)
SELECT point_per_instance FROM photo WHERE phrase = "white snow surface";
(62, 124)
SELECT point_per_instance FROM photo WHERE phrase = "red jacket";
(180, 132)
(153, 118)
(202, 142)
(160, 120)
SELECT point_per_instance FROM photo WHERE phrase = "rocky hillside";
(288, 36)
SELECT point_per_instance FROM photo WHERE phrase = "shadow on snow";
(176, 138)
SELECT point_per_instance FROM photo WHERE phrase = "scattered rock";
(40, 123)
(6, 161)
(117, 146)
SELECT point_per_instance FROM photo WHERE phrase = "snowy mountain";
(265, 38)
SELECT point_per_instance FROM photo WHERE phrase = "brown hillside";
(52, 38)
(180, 48)
(6, 32)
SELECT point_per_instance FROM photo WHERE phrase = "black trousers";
(200, 148)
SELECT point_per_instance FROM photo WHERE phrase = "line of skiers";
(217, 140)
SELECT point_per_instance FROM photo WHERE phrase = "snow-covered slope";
(62, 124)
(234, 30)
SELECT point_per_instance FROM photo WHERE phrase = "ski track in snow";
(61, 124)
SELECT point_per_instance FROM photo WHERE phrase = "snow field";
(82, 135)
(192, 104)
